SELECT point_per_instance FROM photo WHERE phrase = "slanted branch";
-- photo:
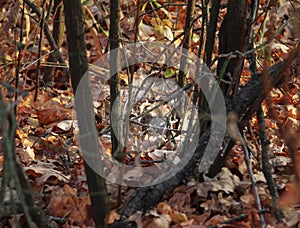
(244, 103)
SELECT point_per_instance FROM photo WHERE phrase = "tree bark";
(114, 31)
(231, 38)
(78, 66)
(211, 31)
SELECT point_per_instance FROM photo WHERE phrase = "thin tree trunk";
(186, 41)
(211, 31)
(114, 31)
(78, 66)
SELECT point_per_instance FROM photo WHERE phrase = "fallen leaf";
(112, 216)
(45, 172)
(163, 208)
(162, 222)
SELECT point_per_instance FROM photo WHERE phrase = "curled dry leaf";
(162, 222)
(163, 208)
(45, 173)
(112, 216)
(51, 111)
(65, 202)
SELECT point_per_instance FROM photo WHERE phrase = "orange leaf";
(290, 196)
(163, 208)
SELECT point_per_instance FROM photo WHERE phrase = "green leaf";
(170, 72)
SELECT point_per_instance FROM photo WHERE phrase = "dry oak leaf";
(52, 111)
(163, 208)
(112, 217)
(64, 202)
(45, 173)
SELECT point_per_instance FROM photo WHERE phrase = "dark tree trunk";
(211, 31)
(114, 30)
(231, 37)
(78, 66)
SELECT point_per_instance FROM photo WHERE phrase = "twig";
(41, 25)
(234, 132)
(266, 168)
(232, 220)
(13, 173)
(48, 34)
(235, 219)
(254, 184)
(167, 5)
(19, 58)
